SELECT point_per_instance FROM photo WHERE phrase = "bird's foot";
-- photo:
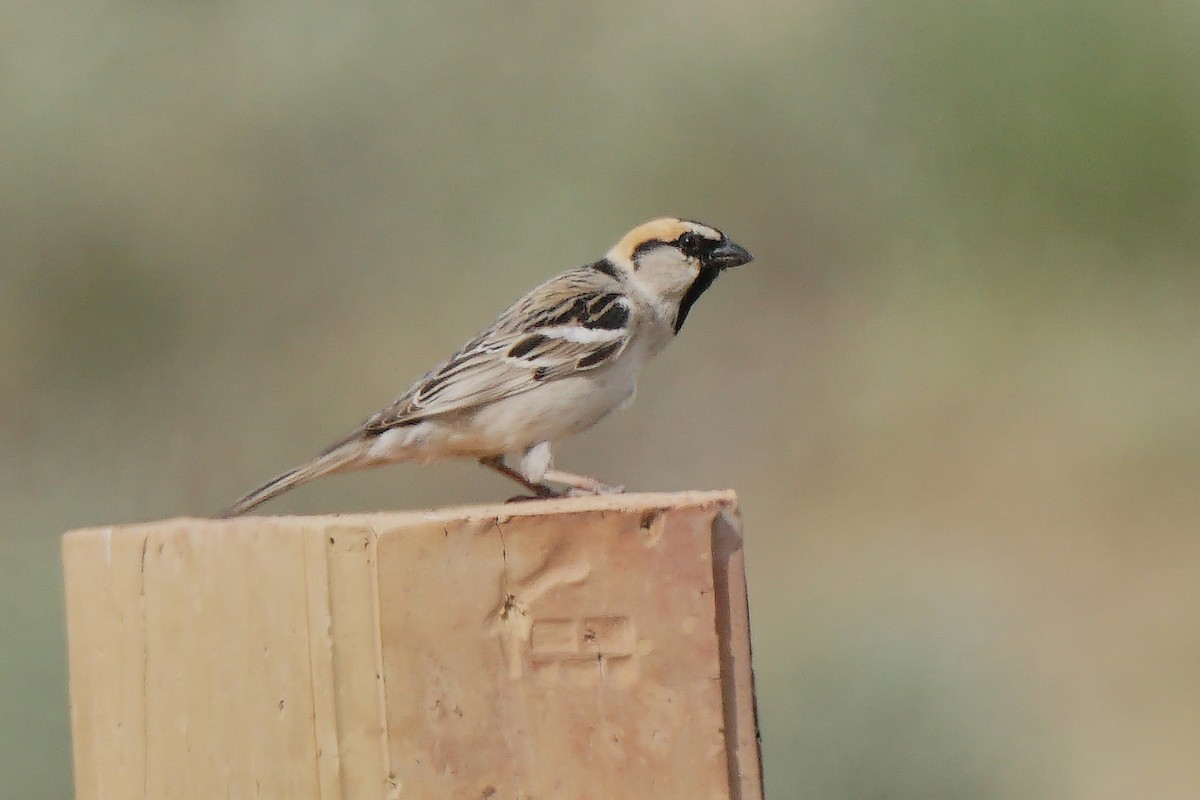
(596, 491)
(581, 485)
(576, 485)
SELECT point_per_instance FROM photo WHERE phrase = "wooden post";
(551, 650)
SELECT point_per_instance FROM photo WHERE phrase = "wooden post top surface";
(626, 502)
(592, 648)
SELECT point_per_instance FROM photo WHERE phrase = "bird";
(556, 362)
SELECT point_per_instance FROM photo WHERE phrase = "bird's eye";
(690, 244)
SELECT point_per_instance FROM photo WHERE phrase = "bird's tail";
(342, 457)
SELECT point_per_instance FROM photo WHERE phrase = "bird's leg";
(538, 465)
(497, 463)
(581, 483)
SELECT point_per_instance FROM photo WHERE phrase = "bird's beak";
(728, 254)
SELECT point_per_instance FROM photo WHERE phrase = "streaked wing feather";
(573, 323)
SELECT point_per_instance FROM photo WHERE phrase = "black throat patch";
(704, 279)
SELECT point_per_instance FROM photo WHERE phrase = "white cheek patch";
(663, 258)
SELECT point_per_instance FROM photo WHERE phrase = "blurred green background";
(957, 390)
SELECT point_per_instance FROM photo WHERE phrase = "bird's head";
(675, 260)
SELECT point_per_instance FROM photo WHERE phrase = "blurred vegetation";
(957, 390)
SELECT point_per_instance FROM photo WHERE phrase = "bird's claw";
(523, 498)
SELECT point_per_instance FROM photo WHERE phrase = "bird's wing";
(573, 323)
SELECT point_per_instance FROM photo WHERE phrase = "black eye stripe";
(691, 243)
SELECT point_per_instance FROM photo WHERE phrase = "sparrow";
(555, 363)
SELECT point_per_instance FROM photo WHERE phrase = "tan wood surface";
(581, 649)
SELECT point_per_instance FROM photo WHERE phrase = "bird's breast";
(553, 410)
